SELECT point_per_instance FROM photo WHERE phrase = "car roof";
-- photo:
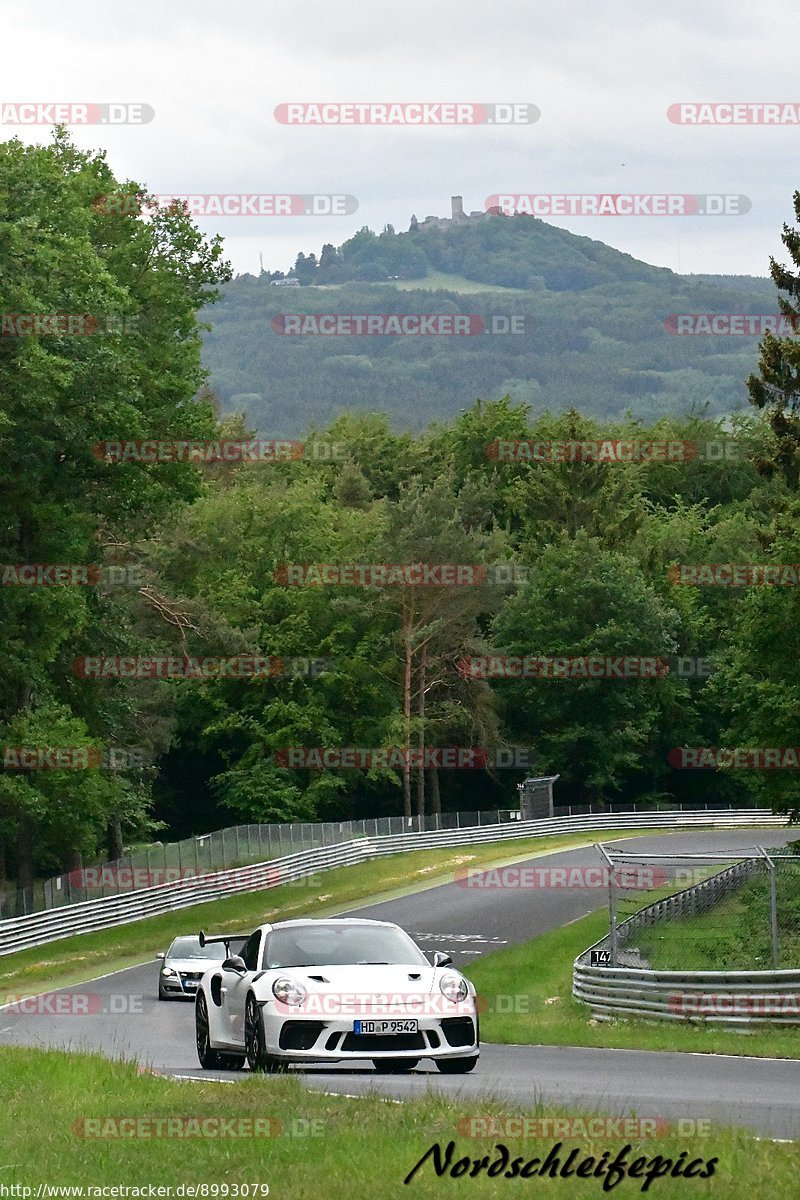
(312, 921)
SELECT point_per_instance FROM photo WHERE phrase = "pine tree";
(776, 389)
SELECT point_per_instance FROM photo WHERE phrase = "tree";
(62, 252)
(776, 389)
(434, 623)
(755, 685)
(585, 600)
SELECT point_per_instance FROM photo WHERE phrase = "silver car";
(185, 964)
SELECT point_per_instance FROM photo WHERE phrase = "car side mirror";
(235, 963)
(161, 955)
(442, 959)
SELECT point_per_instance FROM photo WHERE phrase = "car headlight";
(288, 991)
(168, 971)
(453, 987)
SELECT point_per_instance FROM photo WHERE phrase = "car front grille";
(365, 1043)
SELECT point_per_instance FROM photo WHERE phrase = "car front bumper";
(332, 1039)
(177, 985)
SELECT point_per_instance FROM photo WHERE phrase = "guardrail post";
(773, 907)
(612, 904)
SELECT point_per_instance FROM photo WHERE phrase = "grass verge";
(320, 1145)
(77, 959)
(733, 936)
(527, 991)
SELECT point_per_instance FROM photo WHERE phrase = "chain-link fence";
(236, 846)
(737, 911)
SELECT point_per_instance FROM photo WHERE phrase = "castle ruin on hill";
(458, 217)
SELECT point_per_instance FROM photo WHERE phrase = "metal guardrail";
(721, 997)
(39, 928)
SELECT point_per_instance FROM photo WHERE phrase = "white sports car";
(311, 991)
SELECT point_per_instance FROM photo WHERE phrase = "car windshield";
(189, 947)
(340, 945)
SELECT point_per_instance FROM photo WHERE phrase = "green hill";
(594, 330)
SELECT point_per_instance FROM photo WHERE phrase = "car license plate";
(191, 985)
(384, 1027)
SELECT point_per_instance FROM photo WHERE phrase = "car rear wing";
(224, 938)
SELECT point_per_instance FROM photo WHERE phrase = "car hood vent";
(318, 978)
(414, 975)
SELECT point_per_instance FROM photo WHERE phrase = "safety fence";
(235, 846)
(726, 949)
(40, 928)
(239, 845)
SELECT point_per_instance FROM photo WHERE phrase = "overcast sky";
(602, 73)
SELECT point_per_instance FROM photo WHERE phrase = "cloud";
(603, 75)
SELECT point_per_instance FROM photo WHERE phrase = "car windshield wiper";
(363, 962)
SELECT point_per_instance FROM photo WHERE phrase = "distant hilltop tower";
(457, 217)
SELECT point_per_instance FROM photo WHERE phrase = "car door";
(237, 986)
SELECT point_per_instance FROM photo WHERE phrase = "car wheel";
(395, 1065)
(255, 1041)
(162, 995)
(456, 1066)
(209, 1058)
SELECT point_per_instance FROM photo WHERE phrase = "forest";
(190, 558)
(579, 325)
